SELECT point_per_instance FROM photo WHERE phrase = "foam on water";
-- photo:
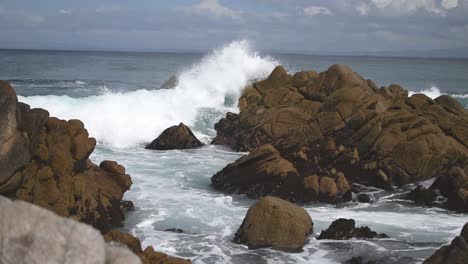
(132, 118)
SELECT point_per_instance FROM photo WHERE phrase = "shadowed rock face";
(44, 160)
(175, 137)
(455, 253)
(32, 235)
(276, 223)
(338, 128)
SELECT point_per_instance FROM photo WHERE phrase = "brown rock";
(342, 229)
(455, 253)
(275, 223)
(147, 256)
(176, 137)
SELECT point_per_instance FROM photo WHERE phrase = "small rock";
(364, 198)
(343, 229)
(276, 223)
(175, 137)
(175, 230)
(170, 83)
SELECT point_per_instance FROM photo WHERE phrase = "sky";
(309, 26)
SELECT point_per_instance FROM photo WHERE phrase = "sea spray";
(205, 90)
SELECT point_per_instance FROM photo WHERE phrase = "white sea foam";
(132, 118)
(432, 93)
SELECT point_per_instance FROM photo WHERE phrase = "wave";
(432, 93)
(206, 91)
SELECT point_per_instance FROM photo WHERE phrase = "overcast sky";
(313, 26)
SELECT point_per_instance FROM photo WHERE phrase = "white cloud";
(213, 7)
(316, 10)
(449, 4)
(65, 12)
(363, 8)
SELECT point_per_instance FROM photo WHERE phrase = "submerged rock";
(423, 196)
(455, 253)
(45, 161)
(272, 222)
(30, 235)
(175, 137)
(342, 229)
(336, 126)
(147, 256)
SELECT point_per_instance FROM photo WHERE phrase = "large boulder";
(45, 161)
(147, 256)
(338, 123)
(272, 222)
(455, 253)
(175, 137)
(32, 235)
(342, 229)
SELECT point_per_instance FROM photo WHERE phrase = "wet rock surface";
(275, 223)
(337, 128)
(342, 229)
(45, 161)
(175, 137)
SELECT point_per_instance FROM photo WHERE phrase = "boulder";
(338, 122)
(423, 196)
(272, 222)
(342, 229)
(147, 256)
(175, 137)
(45, 161)
(257, 174)
(454, 186)
(53, 239)
(455, 253)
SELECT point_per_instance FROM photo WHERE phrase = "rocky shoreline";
(310, 136)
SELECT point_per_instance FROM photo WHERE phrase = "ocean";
(118, 97)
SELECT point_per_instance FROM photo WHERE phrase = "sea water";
(117, 96)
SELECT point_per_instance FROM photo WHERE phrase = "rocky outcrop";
(170, 83)
(175, 137)
(147, 256)
(272, 222)
(342, 229)
(338, 128)
(455, 253)
(454, 186)
(45, 161)
(30, 235)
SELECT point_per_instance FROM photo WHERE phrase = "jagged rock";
(455, 253)
(147, 256)
(272, 222)
(30, 234)
(422, 196)
(170, 83)
(338, 121)
(44, 160)
(175, 137)
(342, 229)
(454, 186)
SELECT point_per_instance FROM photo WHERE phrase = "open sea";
(118, 97)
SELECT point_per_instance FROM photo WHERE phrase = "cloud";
(406, 7)
(316, 10)
(449, 4)
(65, 12)
(214, 8)
(362, 8)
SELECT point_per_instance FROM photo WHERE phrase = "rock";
(338, 120)
(257, 174)
(454, 186)
(24, 239)
(364, 198)
(272, 222)
(176, 137)
(170, 83)
(422, 196)
(455, 253)
(342, 229)
(175, 230)
(359, 260)
(147, 256)
(45, 161)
